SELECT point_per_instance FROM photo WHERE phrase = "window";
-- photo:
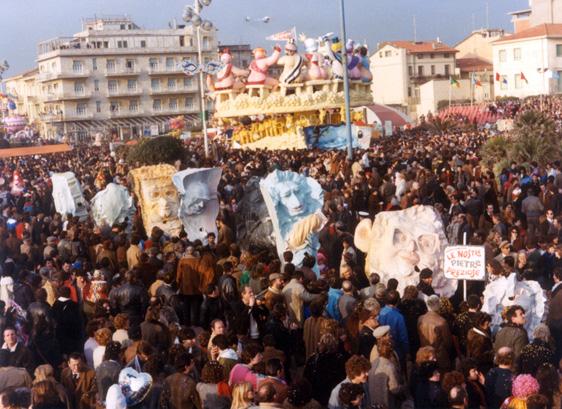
(94, 64)
(96, 85)
(206, 42)
(380, 54)
(153, 63)
(187, 82)
(182, 41)
(121, 44)
(447, 69)
(188, 103)
(388, 53)
(98, 106)
(410, 70)
(559, 81)
(446, 55)
(502, 55)
(112, 85)
(114, 107)
(432, 56)
(518, 83)
(110, 65)
(559, 50)
(433, 70)
(133, 105)
(157, 105)
(106, 44)
(409, 92)
(420, 70)
(122, 26)
(143, 43)
(516, 54)
(420, 56)
(79, 88)
(173, 104)
(130, 65)
(171, 83)
(503, 83)
(132, 85)
(169, 62)
(155, 84)
(77, 66)
(81, 108)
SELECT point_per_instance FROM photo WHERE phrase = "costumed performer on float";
(228, 77)
(314, 60)
(292, 64)
(260, 66)
(366, 74)
(334, 47)
(353, 61)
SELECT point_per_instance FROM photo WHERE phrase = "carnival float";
(304, 107)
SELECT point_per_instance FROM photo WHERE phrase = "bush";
(153, 151)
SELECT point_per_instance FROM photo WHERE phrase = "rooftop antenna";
(415, 30)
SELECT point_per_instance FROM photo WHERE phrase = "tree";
(535, 139)
(495, 150)
(162, 149)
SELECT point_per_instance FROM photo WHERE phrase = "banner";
(283, 35)
(465, 263)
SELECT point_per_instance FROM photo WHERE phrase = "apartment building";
(400, 67)
(116, 78)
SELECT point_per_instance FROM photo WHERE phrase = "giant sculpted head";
(67, 195)
(158, 198)
(199, 204)
(396, 242)
(112, 204)
(294, 203)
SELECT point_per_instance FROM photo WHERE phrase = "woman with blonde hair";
(242, 396)
(47, 373)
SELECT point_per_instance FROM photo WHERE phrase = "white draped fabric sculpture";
(507, 291)
(199, 204)
(67, 195)
(112, 205)
(158, 198)
(294, 203)
(397, 242)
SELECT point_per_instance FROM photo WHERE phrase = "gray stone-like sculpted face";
(199, 205)
(294, 203)
(397, 242)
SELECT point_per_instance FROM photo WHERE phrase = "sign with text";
(465, 263)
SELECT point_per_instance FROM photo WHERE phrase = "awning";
(385, 113)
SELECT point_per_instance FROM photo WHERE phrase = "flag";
(454, 83)
(498, 77)
(504, 80)
(284, 35)
(476, 81)
(523, 78)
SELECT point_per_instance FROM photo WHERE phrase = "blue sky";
(26, 22)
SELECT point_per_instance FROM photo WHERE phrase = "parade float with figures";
(304, 107)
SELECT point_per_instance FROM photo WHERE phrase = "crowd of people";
(218, 324)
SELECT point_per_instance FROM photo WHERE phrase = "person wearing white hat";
(292, 64)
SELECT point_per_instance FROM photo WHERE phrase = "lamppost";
(191, 15)
(346, 83)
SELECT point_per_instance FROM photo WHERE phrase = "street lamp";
(191, 15)
(346, 83)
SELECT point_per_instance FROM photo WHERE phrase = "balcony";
(51, 76)
(61, 116)
(127, 92)
(158, 70)
(172, 91)
(68, 96)
(170, 111)
(122, 72)
(126, 113)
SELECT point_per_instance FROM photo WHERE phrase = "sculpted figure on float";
(507, 291)
(398, 241)
(67, 195)
(158, 198)
(292, 64)
(353, 61)
(260, 66)
(363, 53)
(199, 204)
(228, 77)
(334, 48)
(294, 203)
(315, 60)
(112, 205)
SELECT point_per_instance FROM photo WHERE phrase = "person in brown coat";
(80, 383)
(188, 278)
(479, 343)
(274, 293)
(434, 331)
(179, 389)
(554, 318)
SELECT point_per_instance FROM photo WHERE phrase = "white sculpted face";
(398, 242)
(292, 197)
(196, 197)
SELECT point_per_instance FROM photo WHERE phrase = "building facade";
(400, 67)
(116, 78)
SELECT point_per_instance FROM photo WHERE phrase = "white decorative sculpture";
(112, 204)
(292, 64)
(199, 204)
(506, 291)
(158, 198)
(67, 195)
(294, 203)
(398, 241)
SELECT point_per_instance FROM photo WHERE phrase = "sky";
(27, 22)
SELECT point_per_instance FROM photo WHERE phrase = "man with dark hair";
(179, 389)
(187, 338)
(68, 318)
(228, 292)
(434, 331)
(351, 395)
(513, 333)
(537, 402)
(134, 252)
(296, 296)
(211, 308)
(465, 321)
(275, 376)
(19, 355)
(79, 382)
(554, 318)
(390, 315)
(107, 373)
(357, 370)
(188, 278)
(426, 279)
(226, 356)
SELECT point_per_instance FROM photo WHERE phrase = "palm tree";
(535, 139)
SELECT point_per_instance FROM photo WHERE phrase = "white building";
(117, 78)
(529, 62)
(400, 67)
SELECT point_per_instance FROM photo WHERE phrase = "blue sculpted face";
(292, 197)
